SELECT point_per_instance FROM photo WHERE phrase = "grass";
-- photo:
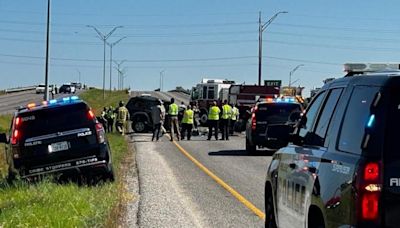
(48, 204)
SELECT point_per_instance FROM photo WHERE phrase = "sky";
(190, 40)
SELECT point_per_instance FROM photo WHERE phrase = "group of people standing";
(217, 119)
(224, 120)
(117, 117)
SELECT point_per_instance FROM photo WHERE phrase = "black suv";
(140, 112)
(60, 136)
(270, 125)
(341, 168)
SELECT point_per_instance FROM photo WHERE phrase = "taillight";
(369, 191)
(100, 133)
(253, 118)
(14, 137)
(91, 114)
(15, 132)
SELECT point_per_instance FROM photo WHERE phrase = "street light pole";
(79, 75)
(111, 45)
(291, 73)
(118, 68)
(46, 77)
(104, 39)
(261, 28)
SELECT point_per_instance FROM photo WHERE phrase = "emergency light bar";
(63, 100)
(370, 67)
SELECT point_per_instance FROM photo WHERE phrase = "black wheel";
(269, 210)
(203, 118)
(139, 126)
(315, 218)
(109, 174)
(250, 148)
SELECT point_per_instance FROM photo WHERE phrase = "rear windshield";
(276, 112)
(46, 121)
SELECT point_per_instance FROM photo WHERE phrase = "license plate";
(60, 146)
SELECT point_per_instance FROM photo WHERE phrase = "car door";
(292, 180)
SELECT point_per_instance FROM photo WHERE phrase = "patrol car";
(59, 136)
(341, 167)
(270, 125)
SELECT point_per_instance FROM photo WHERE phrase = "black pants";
(212, 124)
(225, 128)
(156, 131)
(188, 128)
(110, 125)
(232, 128)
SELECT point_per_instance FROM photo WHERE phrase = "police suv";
(341, 168)
(59, 136)
(270, 124)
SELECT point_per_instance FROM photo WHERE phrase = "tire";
(139, 126)
(203, 118)
(109, 174)
(251, 149)
(269, 210)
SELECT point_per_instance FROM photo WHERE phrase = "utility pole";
(79, 75)
(118, 68)
(162, 80)
(111, 45)
(291, 73)
(104, 39)
(261, 28)
(46, 77)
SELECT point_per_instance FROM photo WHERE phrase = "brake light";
(17, 121)
(254, 119)
(369, 190)
(14, 137)
(100, 133)
(371, 171)
(91, 114)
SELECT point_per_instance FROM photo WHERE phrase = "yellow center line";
(236, 194)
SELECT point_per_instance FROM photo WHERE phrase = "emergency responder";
(110, 119)
(156, 116)
(103, 119)
(235, 117)
(213, 118)
(187, 122)
(225, 119)
(122, 118)
(173, 118)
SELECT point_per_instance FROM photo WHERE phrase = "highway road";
(10, 102)
(184, 184)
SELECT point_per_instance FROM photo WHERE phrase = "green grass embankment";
(48, 204)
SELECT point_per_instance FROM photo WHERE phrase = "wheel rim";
(139, 126)
(203, 118)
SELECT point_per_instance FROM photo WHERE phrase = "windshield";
(276, 112)
(53, 120)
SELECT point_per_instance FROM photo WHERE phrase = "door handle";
(292, 165)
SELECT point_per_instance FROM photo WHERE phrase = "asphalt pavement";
(10, 102)
(174, 192)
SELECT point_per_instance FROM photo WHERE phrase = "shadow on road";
(241, 153)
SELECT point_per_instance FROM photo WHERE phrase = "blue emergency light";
(371, 121)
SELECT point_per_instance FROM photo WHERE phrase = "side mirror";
(3, 138)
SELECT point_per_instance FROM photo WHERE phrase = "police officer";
(187, 122)
(225, 118)
(213, 118)
(173, 118)
(122, 118)
(235, 117)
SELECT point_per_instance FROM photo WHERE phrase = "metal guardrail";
(19, 89)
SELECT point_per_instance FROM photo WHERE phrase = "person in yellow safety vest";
(234, 118)
(187, 122)
(173, 118)
(122, 118)
(213, 118)
(225, 119)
